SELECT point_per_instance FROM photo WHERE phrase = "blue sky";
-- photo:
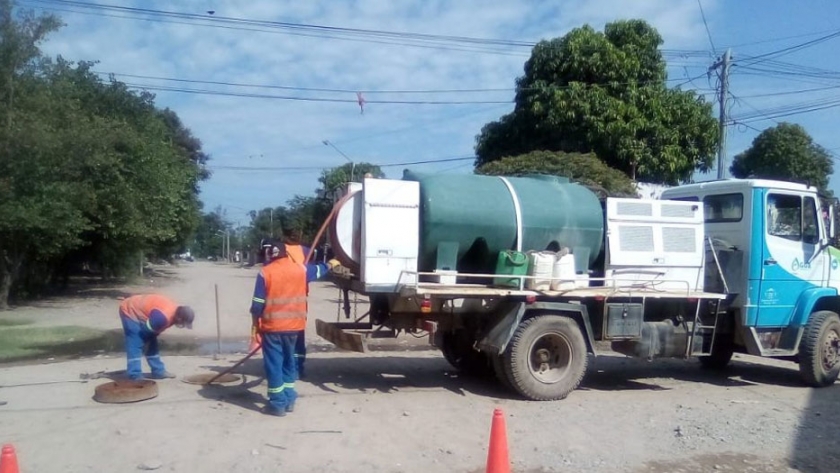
(284, 137)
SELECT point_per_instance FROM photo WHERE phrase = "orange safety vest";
(138, 308)
(285, 302)
(295, 252)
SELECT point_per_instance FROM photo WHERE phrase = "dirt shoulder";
(194, 284)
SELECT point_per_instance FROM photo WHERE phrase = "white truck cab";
(772, 238)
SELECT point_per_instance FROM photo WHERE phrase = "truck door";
(790, 263)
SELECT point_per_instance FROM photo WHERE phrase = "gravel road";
(402, 410)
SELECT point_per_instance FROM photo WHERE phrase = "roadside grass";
(25, 343)
(13, 322)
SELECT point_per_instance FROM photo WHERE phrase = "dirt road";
(401, 411)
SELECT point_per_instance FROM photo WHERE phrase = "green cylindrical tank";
(471, 218)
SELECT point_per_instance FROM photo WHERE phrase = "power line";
(792, 49)
(446, 42)
(427, 45)
(828, 150)
(318, 168)
(792, 92)
(789, 110)
(781, 38)
(706, 24)
(303, 89)
(309, 99)
(291, 25)
(348, 91)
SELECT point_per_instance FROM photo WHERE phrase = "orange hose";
(324, 226)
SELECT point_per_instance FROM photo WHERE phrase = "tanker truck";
(526, 278)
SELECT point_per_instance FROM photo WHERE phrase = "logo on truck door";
(770, 297)
(797, 265)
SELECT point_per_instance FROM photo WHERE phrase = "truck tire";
(498, 362)
(819, 350)
(458, 352)
(546, 358)
(722, 352)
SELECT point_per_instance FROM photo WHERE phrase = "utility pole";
(724, 63)
(271, 221)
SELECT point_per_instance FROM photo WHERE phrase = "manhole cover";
(204, 378)
(119, 392)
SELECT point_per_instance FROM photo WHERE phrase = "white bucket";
(541, 267)
(563, 275)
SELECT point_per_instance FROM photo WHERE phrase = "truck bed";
(483, 291)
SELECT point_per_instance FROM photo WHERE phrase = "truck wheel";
(546, 358)
(458, 352)
(819, 351)
(498, 362)
(722, 353)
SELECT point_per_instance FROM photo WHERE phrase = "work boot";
(290, 407)
(273, 411)
(164, 375)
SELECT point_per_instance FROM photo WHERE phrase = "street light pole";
(352, 164)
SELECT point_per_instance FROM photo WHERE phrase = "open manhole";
(204, 378)
(120, 392)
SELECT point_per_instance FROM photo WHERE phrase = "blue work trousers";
(139, 340)
(300, 352)
(280, 367)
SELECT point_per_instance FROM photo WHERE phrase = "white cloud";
(289, 133)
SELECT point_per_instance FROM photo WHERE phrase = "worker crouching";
(279, 311)
(144, 317)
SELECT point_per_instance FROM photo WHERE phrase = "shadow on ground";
(611, 373)
(395, 373)
(86, 286)
(815, 448)
(382, 374)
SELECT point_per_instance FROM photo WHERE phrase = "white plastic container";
(541, 267)
(446, 277)
(563, 275)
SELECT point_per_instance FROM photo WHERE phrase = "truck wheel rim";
(830, 350)
(550, 357)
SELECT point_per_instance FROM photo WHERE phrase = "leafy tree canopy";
(585, 169)
(785, 152)
(333, 179)
(606, 93)
(90, 172)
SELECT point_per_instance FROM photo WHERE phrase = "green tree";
(585, 169)
(33, 212)
(785, 152)
(209, 235)
(266, 223)
(333, 179)
(89, 171)
(606, 93)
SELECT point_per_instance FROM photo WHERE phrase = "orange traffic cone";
(8, 460)
(497, 455)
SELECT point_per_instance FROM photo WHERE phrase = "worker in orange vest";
(297, 253)
(144, 317)
(279, 311)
